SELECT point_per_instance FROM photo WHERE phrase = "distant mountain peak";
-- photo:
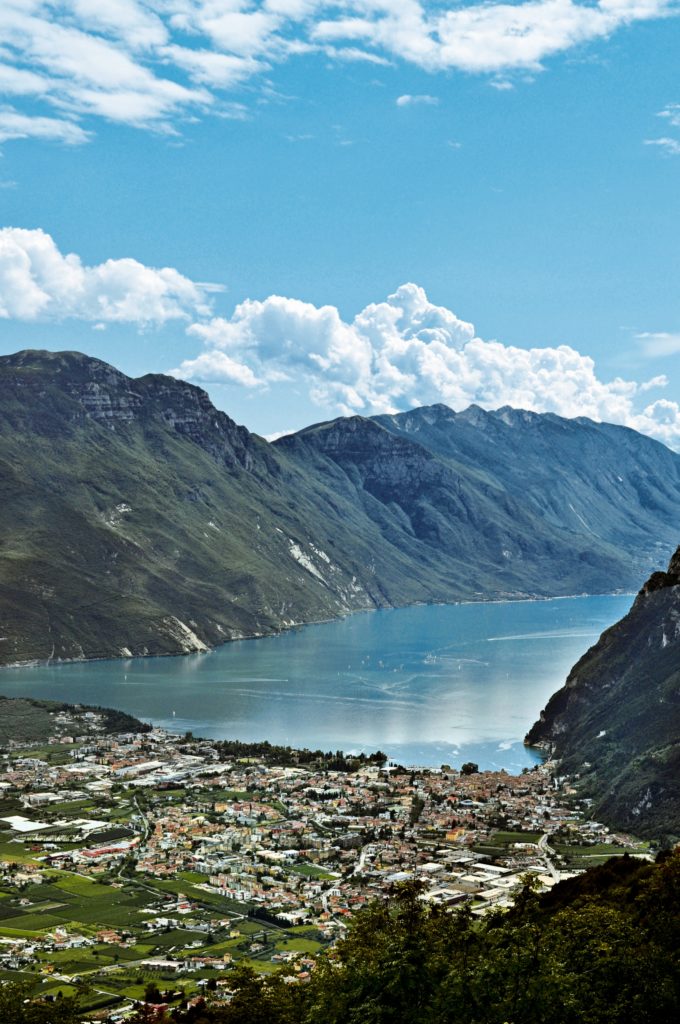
(511, 415)
(474, 414)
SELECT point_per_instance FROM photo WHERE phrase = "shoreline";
(56, 662)
(146, 688)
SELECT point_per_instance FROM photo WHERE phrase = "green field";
(76, 809)
(301, 945)
(310, 871)
(498, 843)
(11, 852)
(79, 903)
(587, 856)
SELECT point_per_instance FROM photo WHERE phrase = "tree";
(152, 993)
(16, 1007)
(600, 948)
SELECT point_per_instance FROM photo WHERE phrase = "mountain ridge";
(136, 518)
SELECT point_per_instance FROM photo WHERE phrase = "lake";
(428, 685)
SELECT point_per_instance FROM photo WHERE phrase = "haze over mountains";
(135, 518)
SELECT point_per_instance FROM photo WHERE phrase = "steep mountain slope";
(603, 482)
(616, 721)
(135, 518)
(450, 516)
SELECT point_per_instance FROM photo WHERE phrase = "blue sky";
(305, 206)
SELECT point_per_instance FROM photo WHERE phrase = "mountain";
(608, 484)
(463, 531)
(135, 518)
(616, 722)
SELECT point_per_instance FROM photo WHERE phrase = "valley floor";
(160, 859)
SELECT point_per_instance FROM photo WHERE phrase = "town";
(146, 865)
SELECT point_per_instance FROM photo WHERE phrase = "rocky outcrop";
(663, 580)
(103, 394)
(189, 411)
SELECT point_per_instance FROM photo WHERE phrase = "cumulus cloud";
(216, 365)
(38, 282)
(407, 351)
(402, 352)
(153, 63)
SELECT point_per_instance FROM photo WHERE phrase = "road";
(546, 851)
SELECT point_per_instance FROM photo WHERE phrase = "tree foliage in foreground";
(600, 949)
(17, 1008)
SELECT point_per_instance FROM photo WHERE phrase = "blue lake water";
(428, 685)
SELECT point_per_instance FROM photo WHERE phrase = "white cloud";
(93, 58)
(353, 53)
(16, 81)
(219, 70)
(153, 63)
(672, 113)
(14, 125)
(407, 100)
(127, 20)
(659, 343)
(406, 351)
(656, 382)
(661, 420)
(667, 144)
(277, 434)
(486, 37)
(218, 366)
(670, 145)
(38, 282)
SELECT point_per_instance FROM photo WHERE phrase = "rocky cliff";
(616, 722)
